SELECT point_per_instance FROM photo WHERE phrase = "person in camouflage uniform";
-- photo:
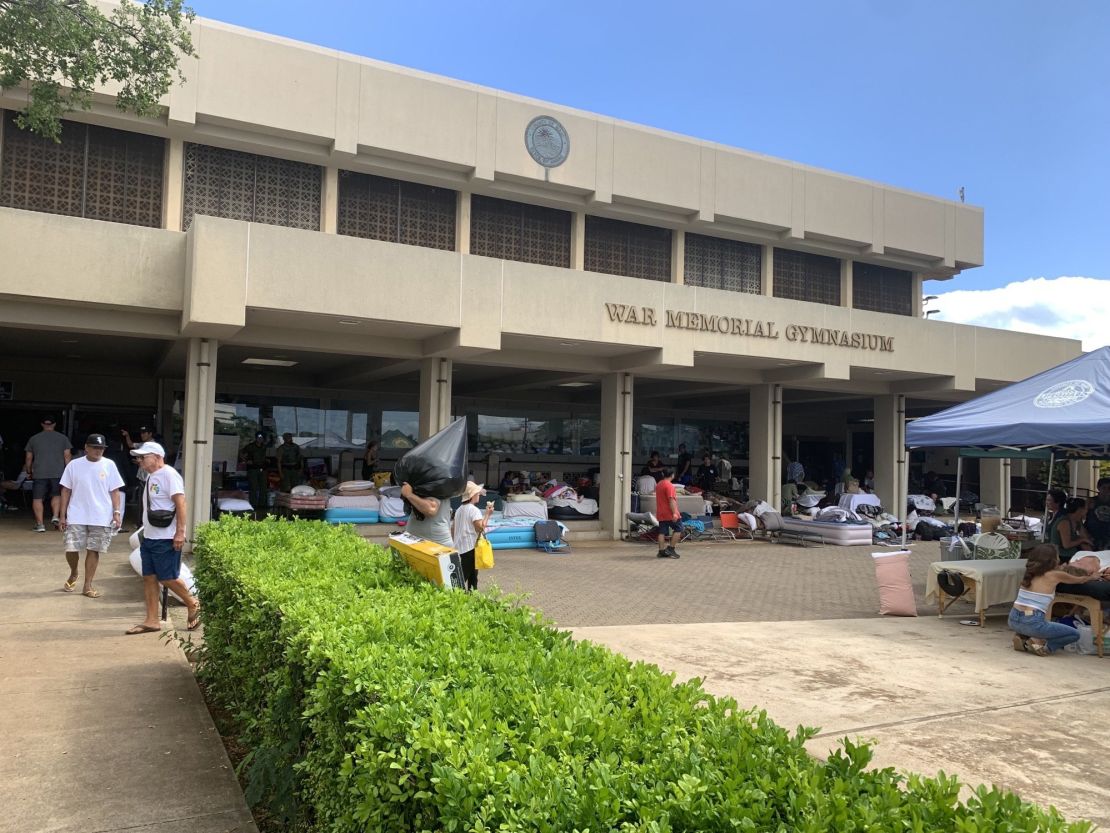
(289, 459)
(253, 456)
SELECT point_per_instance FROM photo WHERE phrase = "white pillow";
(355, 485)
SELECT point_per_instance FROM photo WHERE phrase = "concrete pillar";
(578, 240)
(917, 295)
(462, 224)
(994, 483)
(200, 398)
(173, 185)
(846, 282)
(1086, 478)
(616, 453)
(435, 396)
(890, 452)
(767, 269)
(678, 256)
(329, 204)
(765, 444)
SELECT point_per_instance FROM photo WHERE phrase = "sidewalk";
(101, 731)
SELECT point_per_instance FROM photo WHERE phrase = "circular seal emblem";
(547, 141)
(1064, 394)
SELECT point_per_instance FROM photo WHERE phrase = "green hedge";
(371, 700)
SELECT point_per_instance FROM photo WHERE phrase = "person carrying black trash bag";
(430, 475)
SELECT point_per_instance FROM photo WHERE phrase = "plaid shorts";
(85, 537)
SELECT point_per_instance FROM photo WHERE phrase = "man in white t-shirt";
(163, 502)
(89, 512)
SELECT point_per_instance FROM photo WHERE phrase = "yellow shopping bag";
(483, 554)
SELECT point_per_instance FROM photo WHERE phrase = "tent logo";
(1064, 394)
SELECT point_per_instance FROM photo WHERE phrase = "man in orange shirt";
(666, 512)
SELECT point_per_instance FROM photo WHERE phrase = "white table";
(850, 502)
(993, 581)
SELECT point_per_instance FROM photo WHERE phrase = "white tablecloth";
(996, 580)
(850, 502)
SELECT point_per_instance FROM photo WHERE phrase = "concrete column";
(616, 452)
(173, 185)
(462, 223)
(1086, 478)
(329, 204)
(890, 452)
(917, 295)
(200, 398)
(678, 256)
(767, 268)
(765, 444)
(846, 282)
(435, 396)
(578, 240)
(994, 483)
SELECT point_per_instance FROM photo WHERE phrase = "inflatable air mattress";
(843, 535)
(351, 515)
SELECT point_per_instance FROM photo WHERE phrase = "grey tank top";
(435, 527)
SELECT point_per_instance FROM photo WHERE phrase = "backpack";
(549, 536)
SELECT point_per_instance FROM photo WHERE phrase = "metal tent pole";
(956, 505)
(1048, 488)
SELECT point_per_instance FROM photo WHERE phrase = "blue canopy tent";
(1064, 410)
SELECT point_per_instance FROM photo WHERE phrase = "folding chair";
(779, 534)
(730, 524)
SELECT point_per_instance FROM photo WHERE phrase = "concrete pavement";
(101, 731)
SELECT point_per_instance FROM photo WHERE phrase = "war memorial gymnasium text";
(729, 325)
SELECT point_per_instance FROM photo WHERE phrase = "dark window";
(246, 186)
(882, 289)
(619, 248)
(518, 231)
(94, 172)
(722, 264)
(399, 212)
(800, 276)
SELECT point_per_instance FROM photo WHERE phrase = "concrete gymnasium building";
(315, 242)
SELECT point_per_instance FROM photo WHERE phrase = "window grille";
(882, 289)
(95, 172)
(801, 276)
(723, 264)
(247, 186)
(379, 208)
(518, 231)
(621, 248)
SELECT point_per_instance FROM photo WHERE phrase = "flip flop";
(70, 585)
(92, 593)
(137, 629)
(193, 622)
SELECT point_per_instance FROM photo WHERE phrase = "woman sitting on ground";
(1069, 534)
(1033, 631)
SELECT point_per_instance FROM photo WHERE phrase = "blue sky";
(1007, 98)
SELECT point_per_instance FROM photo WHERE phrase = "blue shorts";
(667, 527)
(160, 559)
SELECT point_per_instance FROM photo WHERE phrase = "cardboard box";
(439, 564)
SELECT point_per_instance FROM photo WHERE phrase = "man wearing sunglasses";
(89, 514)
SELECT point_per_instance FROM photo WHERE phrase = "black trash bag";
(438, 466)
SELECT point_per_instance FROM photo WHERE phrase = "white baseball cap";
(148, 448)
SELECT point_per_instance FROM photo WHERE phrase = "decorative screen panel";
(801, 276)
(518, 231)
(882, 289)
(246, 186)
(427, 216)
(124, 177)
(379, 208)
(95, 172)
(621, 248)
(723, 264)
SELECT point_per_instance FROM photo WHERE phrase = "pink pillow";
(892, 573)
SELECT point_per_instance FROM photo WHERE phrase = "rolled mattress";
(843, 535)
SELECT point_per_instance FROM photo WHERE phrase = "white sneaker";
(56, 522)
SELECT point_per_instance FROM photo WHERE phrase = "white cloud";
(1068, 307)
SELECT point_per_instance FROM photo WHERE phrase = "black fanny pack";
(160, 518)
